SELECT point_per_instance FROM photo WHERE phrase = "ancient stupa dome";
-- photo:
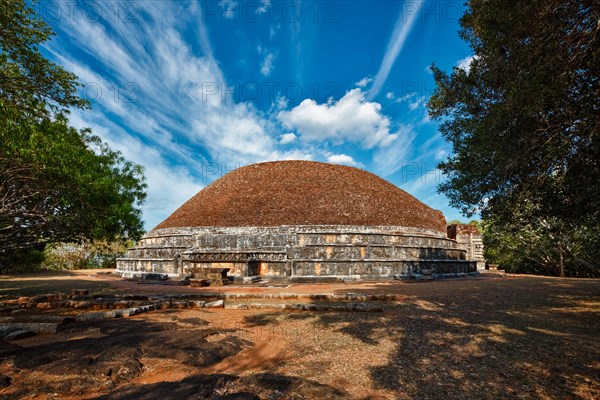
(299, 221)
(303, 193)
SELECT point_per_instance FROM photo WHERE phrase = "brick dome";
(303, 193)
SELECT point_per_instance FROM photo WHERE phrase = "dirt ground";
(478, 338)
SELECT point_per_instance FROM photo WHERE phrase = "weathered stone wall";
(292, 251)
(470, 239)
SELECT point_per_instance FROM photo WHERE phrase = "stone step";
(324, 278)
(58, 319)
(251, 279)
(364, 307)
(37, 327)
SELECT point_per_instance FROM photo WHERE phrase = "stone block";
(215, 304)
(37, 327)
(93, 316)
(82, 304)
(18, 334)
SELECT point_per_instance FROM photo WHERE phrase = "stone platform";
(208, 276)
(297, 252)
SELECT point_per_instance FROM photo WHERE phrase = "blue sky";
(192, 90)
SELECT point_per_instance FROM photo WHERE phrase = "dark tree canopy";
(524, 119)
(28, 80)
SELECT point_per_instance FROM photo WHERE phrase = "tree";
(95, 254)
(541, 246)
(29, 81)
(58, 184)
(524, 120)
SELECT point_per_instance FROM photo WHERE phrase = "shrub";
(86, 255)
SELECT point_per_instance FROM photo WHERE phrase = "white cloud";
(281, 103)
(292, 155)
(405, 98)
(465, 63)
(287, 138)
(267, 64)
(364, 81)
(352, 119)
(417, 103)
(234, 132)
(343, 159)
(404, 25)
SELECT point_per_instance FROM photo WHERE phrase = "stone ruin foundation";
(469, 238)
(299, 253)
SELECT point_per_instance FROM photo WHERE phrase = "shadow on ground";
(221, 386)
(526, 337)
(109, 362)
(12, 286)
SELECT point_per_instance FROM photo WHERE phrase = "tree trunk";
(561, 265)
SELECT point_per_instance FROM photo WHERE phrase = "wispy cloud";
(418, 103)
(266, 65)
(364, 82)
(168, 185)
(404, 26)
(389, 159)
(229, 8)
(264, 5)
(178, 119)
(273, 29)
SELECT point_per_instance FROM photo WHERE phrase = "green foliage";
(22, 261)
(454, 222)
(69, 256)
(535, 246)
(59, 184)
(475, 222)
(29, 81)
(480, 226)
(523, 121)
